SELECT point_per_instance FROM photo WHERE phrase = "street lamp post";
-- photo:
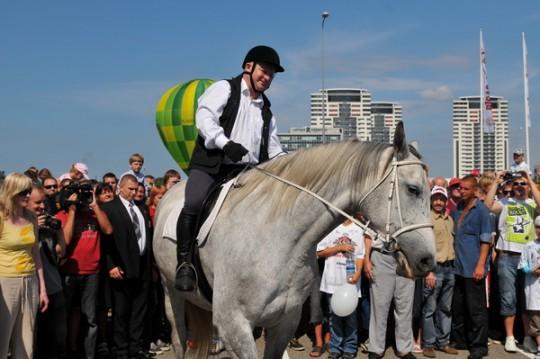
(324, 15)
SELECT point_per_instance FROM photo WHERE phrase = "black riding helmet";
(263, 54)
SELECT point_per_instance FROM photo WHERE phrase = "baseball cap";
(475, 172)
(439, 190)
(537, 221)
(453, 182)
(81, 167)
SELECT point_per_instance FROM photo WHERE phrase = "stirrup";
(192, 267)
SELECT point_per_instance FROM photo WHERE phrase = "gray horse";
(260, 253)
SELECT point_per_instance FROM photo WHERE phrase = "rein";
(387, 239)
(365, 226)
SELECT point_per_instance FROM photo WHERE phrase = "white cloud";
(440, 93)
(364, 54)
(341, 51)
(393, 84)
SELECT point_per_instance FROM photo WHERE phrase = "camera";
(84, 192)
(510, 176)
(52, 222)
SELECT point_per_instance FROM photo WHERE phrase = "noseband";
(387, 240)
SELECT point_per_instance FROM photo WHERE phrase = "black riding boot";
(185, 236)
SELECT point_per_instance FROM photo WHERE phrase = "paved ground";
(495, 351)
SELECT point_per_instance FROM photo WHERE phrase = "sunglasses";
(520, 183)
(24, 193)
(110, 183)
(51, 186)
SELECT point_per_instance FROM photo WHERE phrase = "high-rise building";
(352, 111)
(306, 137)
(467, 136)
(385, 116)
(347, 109)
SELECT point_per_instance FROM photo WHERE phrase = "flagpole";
(526, 99)
(481, 107)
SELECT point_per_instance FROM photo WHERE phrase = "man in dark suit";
(129, 259)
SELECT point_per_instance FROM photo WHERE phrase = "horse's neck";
(312, 220)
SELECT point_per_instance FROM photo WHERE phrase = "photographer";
(83, 221)
(50, 188)
(516, 229)
(51, 324)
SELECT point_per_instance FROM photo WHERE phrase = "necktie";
(136, 224)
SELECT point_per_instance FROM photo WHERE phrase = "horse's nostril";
(426, 264)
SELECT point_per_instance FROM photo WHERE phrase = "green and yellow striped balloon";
(175, 119)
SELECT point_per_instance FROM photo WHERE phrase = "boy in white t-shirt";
(530, 264)
(344, 241)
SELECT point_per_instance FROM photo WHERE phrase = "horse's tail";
(199, 322)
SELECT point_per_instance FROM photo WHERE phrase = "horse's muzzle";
(425, 264)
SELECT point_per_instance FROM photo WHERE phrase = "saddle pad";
(169, 231)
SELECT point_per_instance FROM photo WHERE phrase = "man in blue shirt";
(472, 227)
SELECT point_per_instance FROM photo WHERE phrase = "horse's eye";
(413, 190)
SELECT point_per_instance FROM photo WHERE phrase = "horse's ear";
(401, 149)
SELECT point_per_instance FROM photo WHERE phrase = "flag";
(485, 107)
(526, 84)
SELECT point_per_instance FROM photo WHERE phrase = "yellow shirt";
(443, 226)
(16, 244)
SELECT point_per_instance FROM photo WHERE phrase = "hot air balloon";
(175, 119)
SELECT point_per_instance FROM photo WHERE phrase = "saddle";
(209, 211)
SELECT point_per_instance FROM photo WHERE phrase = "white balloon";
(344, 300)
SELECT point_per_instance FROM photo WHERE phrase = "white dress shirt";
(523, 166)
(247, 129)
(142, 225)
(139, 176)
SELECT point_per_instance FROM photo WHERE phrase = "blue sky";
(80, 80)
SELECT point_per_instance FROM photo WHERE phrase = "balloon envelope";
(344, 300)
(175, 119)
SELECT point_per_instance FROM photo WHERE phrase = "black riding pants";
(198, 185)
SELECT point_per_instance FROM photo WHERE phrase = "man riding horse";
(236, 128)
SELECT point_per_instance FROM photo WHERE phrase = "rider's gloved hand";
(234, 151)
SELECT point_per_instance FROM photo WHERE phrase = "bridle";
(385, 239)
(388, 239)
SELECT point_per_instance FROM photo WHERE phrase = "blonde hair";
(14, 184)
(136, 157)
(485, 183)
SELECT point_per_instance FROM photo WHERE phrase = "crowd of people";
(70, 285)
(73, 287)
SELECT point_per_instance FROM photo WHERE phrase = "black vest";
(210, 161)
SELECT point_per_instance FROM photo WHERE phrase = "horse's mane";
(327, 168)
